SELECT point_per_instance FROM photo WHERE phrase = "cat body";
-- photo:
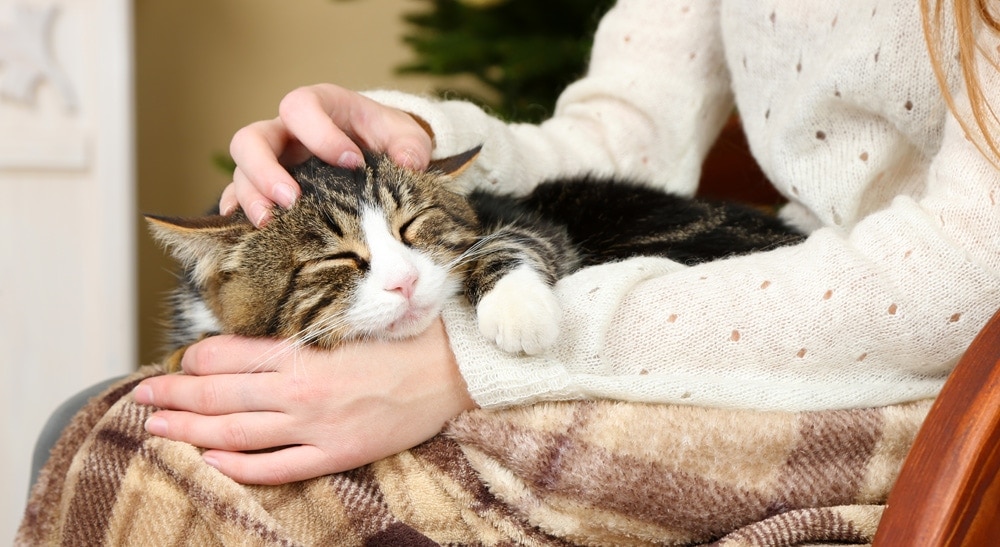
(376, 252)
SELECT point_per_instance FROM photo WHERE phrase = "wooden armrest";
(948, 492)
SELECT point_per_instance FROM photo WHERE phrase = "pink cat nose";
(404, 283)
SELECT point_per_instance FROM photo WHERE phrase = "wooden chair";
(948, 492)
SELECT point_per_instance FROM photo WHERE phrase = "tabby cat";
(376, 251)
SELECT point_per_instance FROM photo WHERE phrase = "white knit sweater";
(843, 113)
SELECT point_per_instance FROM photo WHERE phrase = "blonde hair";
(970, 18)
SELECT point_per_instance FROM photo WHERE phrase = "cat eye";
(409, 229)
(359, 263)
(403, 235)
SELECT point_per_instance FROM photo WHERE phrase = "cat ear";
(199, 242)
(447, 170)
(454, 166)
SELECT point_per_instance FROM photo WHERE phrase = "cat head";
(366, 252)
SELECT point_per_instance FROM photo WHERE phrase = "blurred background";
(204, 69)
(113, 108)
(82, 283)
(199, 79)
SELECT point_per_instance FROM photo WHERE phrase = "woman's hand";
(329, 411)
(324, 120)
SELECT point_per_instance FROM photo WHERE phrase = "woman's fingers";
(210, 395)
(289, 464)
(324, 120)
(234, 432)
(319, 117)
(260, 180)
(220, 377)
(230, 354)
(354, 404)
(335, 123)
(228, 202)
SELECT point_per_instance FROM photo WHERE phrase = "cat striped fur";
(376, 251)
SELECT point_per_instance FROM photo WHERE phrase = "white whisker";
(304, 338)
(474, 251)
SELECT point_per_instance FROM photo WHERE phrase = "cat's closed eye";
(408, 231)
(431, 228)
(347, 257)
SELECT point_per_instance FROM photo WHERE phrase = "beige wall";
(205, 68)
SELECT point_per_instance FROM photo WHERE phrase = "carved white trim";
(26, 58)
(43, 120)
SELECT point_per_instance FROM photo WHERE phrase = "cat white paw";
(520, 314)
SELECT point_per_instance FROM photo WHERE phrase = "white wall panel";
(66, 216)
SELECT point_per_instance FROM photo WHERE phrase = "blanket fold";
(570, 473)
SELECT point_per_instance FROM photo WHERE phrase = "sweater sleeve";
(873, 315)
(652, 102)
(866, 313)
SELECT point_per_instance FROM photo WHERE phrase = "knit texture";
(571, 473)
(843, 113)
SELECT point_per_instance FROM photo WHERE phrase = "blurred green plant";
(524, 52)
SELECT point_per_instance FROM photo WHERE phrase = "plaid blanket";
(572, 473)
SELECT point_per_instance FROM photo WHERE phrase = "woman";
(883, 143)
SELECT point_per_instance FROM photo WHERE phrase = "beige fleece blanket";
(574, 473)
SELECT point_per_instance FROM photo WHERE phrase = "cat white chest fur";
(403, 290)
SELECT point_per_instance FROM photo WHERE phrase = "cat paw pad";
(520, 314)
